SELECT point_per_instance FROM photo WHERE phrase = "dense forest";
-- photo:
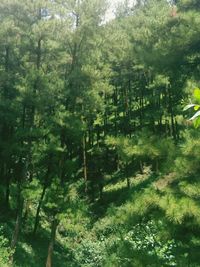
(99, 161)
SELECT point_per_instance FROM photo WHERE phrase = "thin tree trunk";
(173, 126)
(17, 229)
(37, 217)
(128, 182)
(85, 163)
(105, 116)
(141, 166)
(27, 209)
(177, 130)
(7, 196)
(101, 191)
(54, 226)
(7, 57)
(173, 130)
(100, 184)
(20, 200)
(115, 102)
(127, 178)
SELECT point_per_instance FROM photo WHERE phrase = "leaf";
(197, 114)
(196, 107)
(188, 106)
(197, 122)
(197, 94)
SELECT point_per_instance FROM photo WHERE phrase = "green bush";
(5, 252)
(90, 253)
(142, 246)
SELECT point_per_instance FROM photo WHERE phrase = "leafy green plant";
(5, 252)
(90, 253)
(143, 245)
(196, 107)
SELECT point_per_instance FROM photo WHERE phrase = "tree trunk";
(7, 196)
(141, 166)
(37, 217)
(17, 229)
(101, 191)
(27, 210)
(54, 226)
(128, 182)
(7, 57)
(20, 205)
(85, 163)
(173, 130)
(127, 178)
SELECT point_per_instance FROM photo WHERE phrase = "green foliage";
(186, 163)
(96, 158)
(90, 253)
(5, 252)
(196, 107)
(142, 246)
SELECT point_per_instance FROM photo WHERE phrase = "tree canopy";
(99, 159)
